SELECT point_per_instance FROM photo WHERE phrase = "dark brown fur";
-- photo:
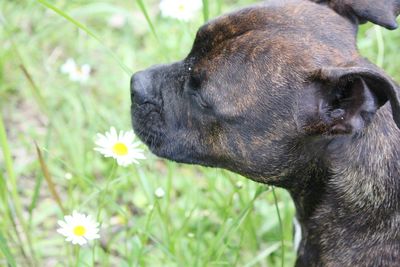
(280, 94)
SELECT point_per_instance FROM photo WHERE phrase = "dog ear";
(350, 96)
(381, 12)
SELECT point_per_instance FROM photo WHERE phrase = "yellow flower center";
(181, 7)
(79, 230)
(120, 149)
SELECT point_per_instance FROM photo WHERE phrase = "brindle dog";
(279, 93)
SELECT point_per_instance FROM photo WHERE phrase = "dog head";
(262, 85)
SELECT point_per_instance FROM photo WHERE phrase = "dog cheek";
(219, 142)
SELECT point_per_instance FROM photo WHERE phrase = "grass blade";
(35, 196)
(35, 89)
(280, 226)
(219, 7)
(143, 9)
(381, 46)
(217, 248)
(206, 10)
(3, 189)
(6, 251)
(8, 162)
(39, 179)
(9, 165)
(88, 32)
(260, 258)
(49, 179)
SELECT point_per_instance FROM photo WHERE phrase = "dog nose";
(140, 84)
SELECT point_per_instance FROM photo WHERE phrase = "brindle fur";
(279, 93)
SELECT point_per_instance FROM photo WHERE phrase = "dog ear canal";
(350, 97)
(381, 12)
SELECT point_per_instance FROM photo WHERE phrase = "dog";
(278, 92)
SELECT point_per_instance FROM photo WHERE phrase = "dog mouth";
(147, 122)
(150, 127)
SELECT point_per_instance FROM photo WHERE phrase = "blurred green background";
(208, 217)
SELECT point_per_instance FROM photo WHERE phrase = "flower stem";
(102, 201)
(280, 226)
(77, 254)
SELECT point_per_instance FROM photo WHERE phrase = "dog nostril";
(140, 85)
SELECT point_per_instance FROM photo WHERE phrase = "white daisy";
(180, 9)
(159, 193)
(119, 146)
(79, 228)
(76, 73)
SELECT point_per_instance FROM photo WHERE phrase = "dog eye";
(192, 87)
(194, 82)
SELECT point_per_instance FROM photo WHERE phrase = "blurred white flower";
(68, 66)
(190, 235)
(76, 73)
(159, 193)
(117, 21)
(119, 146)
(79, 228)
(239, 184)
(68, 176)
(180, 9)
(118, 220)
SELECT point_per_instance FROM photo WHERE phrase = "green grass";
(208, 217)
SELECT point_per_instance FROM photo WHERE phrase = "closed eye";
(193, 88)
(194, 82)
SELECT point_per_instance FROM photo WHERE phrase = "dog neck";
(348, 201)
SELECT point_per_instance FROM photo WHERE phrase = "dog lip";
(152, 139)
(141, 114)
(145, 107)
(147, 102)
